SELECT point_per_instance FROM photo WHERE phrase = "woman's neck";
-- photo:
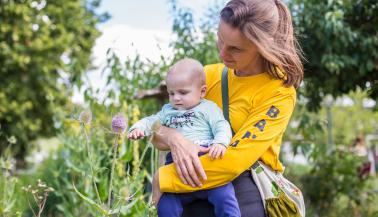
(254, 68)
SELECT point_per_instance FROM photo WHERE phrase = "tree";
(340, 41)
(45, 46)
(198, 42)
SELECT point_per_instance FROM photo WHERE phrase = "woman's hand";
(184, 154)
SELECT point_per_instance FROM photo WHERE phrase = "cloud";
(126, 42)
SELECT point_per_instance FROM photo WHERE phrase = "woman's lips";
(228, 61)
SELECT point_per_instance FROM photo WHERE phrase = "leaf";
(123, 209)
(128, 155)
(91, 202)
(9, 206)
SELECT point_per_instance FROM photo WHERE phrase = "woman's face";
(236, 50)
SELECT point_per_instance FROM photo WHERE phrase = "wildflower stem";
(5, 190)
(31, 208)
(143, 155)
(35, 199)
(40, 207)
(90, 163)
(112, 170)
(43, 204)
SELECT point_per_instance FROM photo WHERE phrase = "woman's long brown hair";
(267, 23)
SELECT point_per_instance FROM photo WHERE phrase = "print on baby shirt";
(177, 121)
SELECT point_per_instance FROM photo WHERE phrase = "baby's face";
(184, 93)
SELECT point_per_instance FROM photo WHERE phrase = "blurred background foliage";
(340, 42)
(45, 48)
(45, 51)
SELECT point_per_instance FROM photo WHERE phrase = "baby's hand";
(135, 134)
(217, 151)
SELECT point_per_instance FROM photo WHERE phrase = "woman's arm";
(262, 130)
(184, 154)
(160, 142)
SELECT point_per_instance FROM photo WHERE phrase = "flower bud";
(85, 117)
(125, 192)
(119, 124)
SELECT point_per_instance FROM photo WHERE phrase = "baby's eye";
(183, 92)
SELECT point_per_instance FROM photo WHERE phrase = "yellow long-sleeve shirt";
(259, 108)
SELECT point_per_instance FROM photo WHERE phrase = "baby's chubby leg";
(156, 193)
(168, 204)
(171, 204)
(224, 200)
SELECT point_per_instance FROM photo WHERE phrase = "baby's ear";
(203, 90)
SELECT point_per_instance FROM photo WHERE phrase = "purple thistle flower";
(119, 124)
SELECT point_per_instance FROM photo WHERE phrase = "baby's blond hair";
(191, 66)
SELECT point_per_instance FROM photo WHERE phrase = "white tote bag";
(277, 191)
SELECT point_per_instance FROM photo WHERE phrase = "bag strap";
(225, 103)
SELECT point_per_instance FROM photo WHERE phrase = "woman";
(256, 43)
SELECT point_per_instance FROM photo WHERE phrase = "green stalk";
(112, 171)
(5, 198)
(90, 163)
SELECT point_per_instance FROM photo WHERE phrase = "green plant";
(42, 43)
(86, 159)
(332, 177)
(8, 187)
(39, 193)
(340, 46)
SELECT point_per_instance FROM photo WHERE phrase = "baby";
(200, 121)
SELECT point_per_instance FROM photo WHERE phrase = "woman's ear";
(203, 91)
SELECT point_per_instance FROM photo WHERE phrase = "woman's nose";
(222, 53)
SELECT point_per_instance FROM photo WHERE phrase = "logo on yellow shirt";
(261, 124)
(273, 112)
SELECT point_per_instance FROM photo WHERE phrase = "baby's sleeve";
(219, 125)
(146, 123)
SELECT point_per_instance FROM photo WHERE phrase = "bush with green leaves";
(334, 175)
(340, 42)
